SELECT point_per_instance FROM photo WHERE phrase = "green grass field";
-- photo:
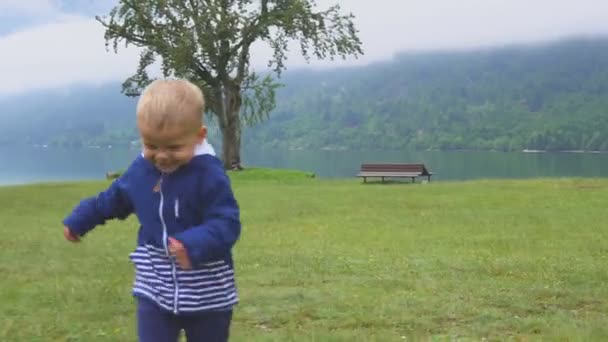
(336, 260)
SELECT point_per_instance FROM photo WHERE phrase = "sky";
(51, 44)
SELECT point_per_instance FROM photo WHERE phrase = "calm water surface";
(27, 165)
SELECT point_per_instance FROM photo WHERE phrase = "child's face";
(171, 147)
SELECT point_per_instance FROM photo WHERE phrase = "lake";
(27, 165)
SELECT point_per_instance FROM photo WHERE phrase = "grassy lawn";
(337, 260)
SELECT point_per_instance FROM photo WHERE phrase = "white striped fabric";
(210, 286)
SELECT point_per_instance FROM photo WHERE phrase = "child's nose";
(162, 155)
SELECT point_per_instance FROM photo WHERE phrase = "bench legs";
(383, 177)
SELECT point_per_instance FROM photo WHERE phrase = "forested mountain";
(548, 97)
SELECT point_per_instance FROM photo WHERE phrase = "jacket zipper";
(165, 242)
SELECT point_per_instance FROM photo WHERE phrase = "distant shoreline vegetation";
(331, 148)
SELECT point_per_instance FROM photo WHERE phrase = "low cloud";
(66, 52)
(62, 49)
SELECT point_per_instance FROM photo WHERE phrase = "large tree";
(209, 43)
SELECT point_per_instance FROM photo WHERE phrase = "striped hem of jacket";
(210, 286)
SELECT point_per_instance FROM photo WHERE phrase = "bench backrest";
(394, 167)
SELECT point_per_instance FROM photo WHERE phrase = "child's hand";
(69, 235)
(178, 250)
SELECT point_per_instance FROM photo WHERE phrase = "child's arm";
(93, 211)
(221, 227)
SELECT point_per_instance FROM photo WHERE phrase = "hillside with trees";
(543, 97)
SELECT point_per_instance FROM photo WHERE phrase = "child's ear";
(202, 134)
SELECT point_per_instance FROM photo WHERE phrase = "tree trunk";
(231, 143)
(230, 125)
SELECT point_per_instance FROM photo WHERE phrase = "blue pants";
(156, 325)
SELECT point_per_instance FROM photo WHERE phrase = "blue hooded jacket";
(195, 205)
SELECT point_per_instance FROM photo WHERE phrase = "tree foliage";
(209, 43)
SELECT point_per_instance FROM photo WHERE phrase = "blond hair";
(171, 102)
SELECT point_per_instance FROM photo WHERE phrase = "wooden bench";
(394, 170)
